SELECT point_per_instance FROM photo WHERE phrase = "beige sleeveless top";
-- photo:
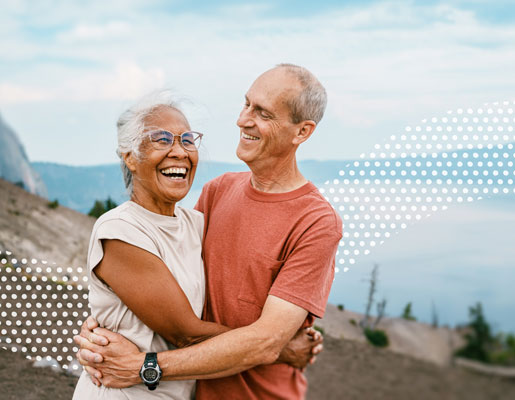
(175, 240)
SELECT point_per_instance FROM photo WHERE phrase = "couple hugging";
(216, 302)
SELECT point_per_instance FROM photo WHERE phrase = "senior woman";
(146, 271)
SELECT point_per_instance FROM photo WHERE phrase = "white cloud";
(384, 65)
(84, 32)
(12, 94)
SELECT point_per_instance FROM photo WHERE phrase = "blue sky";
(68, 69)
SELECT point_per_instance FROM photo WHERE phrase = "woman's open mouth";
(175, 173)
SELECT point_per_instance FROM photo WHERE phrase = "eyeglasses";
(164, 140)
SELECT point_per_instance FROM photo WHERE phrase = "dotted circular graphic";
(460, 157)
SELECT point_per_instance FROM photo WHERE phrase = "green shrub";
(340, 307)
(479, 339)
(353, 322)
(101, 207)
(376, 337)
(406, 314)
(20, 184)
(53, 204)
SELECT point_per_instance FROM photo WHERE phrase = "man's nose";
(245, 119)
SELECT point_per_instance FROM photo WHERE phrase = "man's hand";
(114, 362)
(302, 349)
(87, 333)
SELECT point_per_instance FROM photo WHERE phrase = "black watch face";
(150, 375)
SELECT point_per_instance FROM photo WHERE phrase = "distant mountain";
(79, 187)
(14, 163)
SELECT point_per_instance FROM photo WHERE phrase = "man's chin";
(245, 156)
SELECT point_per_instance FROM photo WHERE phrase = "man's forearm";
(211, 358)
(119, 362)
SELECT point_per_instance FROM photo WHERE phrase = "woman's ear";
(129, 161)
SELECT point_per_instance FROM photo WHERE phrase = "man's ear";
(129, 161)
(306, 128)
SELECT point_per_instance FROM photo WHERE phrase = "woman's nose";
(177, 150)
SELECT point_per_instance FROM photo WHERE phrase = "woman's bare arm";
(145, 284)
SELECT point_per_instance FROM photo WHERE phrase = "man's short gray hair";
(131, 125)
(312, 99)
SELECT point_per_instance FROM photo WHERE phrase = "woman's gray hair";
(131, 125)
(312, 99)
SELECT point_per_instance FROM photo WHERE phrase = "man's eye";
(264, 115)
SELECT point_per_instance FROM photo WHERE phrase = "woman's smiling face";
(155, 187)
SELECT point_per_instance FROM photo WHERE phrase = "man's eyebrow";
(257, 107)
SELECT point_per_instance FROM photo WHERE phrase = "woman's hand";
(302, 349)
(109, 358)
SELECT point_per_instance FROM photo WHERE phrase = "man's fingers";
(312, 360)
(93, 372)
(107, 335)
(94, 375)
(88, 351)
(98, 339)
(310, 331)
(91, 323)
(88, 358)
(315, 335)
(86, 331)
(317, 349)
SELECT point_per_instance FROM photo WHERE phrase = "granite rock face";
(14, 163)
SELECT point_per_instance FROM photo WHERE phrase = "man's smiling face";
(266, 129)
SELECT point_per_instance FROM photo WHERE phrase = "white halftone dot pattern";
(42, 308)
(462, 156)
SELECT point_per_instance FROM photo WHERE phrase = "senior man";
(269, 250)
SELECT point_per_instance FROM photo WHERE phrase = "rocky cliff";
(14, 163)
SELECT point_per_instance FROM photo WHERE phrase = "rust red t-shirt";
(256, 244)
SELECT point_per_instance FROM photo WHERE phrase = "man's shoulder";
(321, 209)
(215, 188)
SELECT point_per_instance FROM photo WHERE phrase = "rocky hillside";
(31, 228)
(14, 164)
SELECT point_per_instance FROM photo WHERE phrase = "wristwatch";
(150, 371)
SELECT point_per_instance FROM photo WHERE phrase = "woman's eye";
(163, 140)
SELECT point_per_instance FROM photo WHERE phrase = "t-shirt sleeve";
(306, 276)
(207, 194)
(120, 230)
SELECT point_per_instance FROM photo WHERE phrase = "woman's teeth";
(177, 173)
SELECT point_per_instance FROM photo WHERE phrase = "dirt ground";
(345, 370)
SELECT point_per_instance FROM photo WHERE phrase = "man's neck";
(279, 177)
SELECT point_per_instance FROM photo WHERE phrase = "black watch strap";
(150, 372)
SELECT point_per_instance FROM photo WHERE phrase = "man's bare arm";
(223, 355)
